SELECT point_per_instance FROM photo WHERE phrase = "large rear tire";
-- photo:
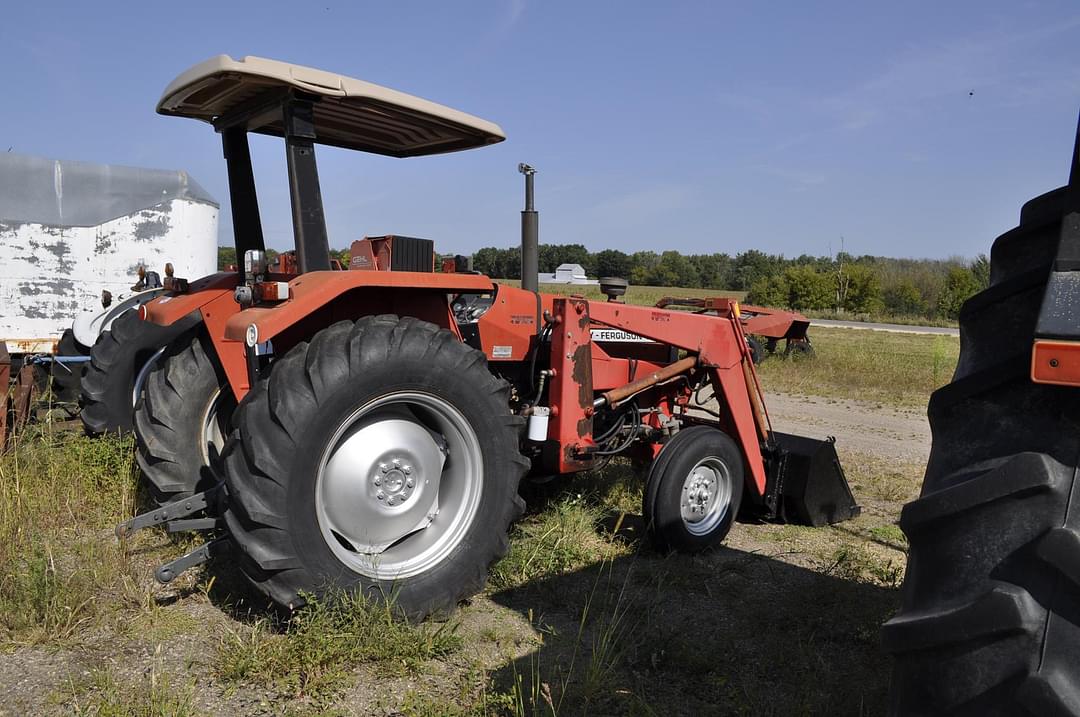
(118, 360)
(181, 421)
(990, 619)
(382, 458)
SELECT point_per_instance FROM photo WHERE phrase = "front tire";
(693, 490)
(320, 497)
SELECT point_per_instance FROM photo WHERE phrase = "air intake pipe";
(530, 235)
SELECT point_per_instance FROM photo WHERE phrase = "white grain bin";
(68, 230)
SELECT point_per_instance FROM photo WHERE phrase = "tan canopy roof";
(350, 113)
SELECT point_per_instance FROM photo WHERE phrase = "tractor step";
(170, 514)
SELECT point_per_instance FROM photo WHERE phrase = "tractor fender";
(404, 292)
(88, 325)
(319, 298)
(171, 307)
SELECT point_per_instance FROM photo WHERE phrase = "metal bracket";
(173, 569)
(170, 513)
(194, 524)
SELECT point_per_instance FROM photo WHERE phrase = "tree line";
(868, 285)
(871, 285)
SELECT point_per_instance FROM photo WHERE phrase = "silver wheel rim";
(140, 378)
(399, 485)
(213, 438)
(706, 496)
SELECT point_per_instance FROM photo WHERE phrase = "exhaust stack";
(530, 235)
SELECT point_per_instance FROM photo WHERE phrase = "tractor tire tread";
(115, 359)
(990, 616)
(167, 421)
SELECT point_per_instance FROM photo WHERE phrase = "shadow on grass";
(728, 632)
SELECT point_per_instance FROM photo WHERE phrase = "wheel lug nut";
(378, 481)
(406, 469)
(380, 495)
(409, 483)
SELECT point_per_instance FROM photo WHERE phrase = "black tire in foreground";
(116, 360)
(381, 458)
(67, 377)
(693, 490)
(990, 619)
(181, 421)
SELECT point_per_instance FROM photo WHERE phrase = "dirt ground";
(873, 428)
(781, 621)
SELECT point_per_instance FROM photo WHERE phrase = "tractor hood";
(348, 113)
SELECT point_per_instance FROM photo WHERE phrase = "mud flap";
(807, 484)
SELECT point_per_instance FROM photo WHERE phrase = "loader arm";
(721, 348)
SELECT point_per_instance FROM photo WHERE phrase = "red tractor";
(381, 420)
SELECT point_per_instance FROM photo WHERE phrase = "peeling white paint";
(49, 273)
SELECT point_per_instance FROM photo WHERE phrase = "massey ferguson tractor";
(366, 430)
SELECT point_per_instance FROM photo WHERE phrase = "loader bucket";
(811, 487)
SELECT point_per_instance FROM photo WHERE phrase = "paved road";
(895, 328)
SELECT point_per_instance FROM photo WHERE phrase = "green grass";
(566, 535)
(58, 494)
(890, 534)
(104, 694)
(879, 366)
(315, 653)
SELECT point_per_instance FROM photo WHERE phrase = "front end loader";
(382, 419)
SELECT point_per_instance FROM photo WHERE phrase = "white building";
(68, 230)
(567, 274)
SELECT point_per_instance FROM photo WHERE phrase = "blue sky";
(908, 129)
